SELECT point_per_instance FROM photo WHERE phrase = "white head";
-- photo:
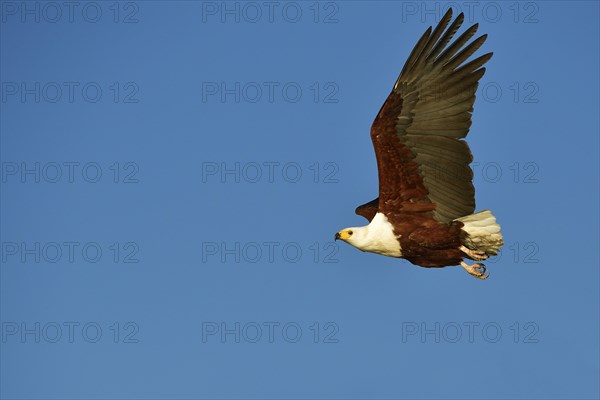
(377, 237)
(356, 236)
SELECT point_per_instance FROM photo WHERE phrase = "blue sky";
(173, 175)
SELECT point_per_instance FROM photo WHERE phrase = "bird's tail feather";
(482, 232)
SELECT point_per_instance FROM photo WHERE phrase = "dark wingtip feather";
(446, 18)
(448, 13)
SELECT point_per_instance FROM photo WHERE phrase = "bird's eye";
(349, 232)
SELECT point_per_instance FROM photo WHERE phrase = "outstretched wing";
(422, 161)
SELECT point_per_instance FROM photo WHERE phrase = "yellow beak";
(343, 235)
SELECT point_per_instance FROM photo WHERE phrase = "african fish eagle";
(425, 209)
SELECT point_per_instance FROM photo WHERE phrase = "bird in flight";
(425, 209)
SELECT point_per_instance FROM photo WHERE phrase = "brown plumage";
(425, 182)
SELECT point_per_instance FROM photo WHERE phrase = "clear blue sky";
(173, 175)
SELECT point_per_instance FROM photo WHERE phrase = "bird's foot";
(474, 254)
(477, 270)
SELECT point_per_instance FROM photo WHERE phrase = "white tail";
(483, 233)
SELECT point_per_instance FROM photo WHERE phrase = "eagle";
(425, 212)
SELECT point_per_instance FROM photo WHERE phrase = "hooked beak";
(337, 236)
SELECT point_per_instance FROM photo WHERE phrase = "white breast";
(380, 238)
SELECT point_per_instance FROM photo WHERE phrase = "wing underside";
(423, 161)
